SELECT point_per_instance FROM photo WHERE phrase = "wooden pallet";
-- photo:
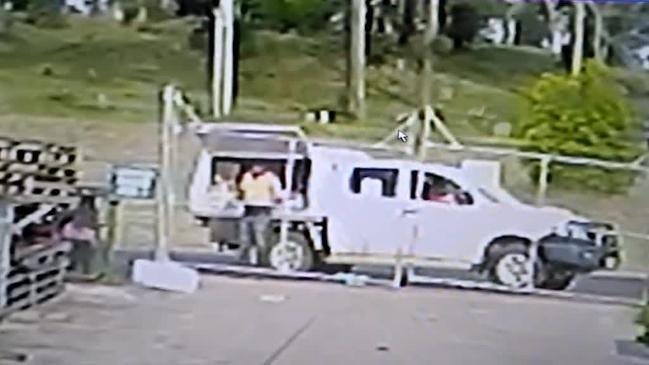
(7, 177)
(37, 152)
(32, 187)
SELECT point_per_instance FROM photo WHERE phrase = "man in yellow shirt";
(260, 192)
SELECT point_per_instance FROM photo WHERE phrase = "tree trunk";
(407, 28)
(426, 62)
(554, 26)
(369, 27)
(356, 70)
(598, 32)
(509, 19)
(578, 39)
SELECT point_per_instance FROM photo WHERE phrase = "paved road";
(615, 287)
(245, 321)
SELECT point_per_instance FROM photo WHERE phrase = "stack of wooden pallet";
(40, 180)
(37, 169)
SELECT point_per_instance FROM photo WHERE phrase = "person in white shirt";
(260, 191)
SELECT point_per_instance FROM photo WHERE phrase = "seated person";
(440, 194)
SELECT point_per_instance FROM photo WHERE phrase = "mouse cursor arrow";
(401, 136)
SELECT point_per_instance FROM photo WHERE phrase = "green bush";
(643, 322)
(584, 116)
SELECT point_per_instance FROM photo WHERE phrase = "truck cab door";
(449, 223)
(370, 213)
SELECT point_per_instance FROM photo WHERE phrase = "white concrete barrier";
(165, 275)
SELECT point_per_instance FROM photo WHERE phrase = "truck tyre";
(507, 264)
(557, 280)
(295, 254)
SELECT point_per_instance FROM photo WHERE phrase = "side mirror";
(464, 198)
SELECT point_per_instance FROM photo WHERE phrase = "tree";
(465, 24)
(426, 64)
(578, 38)
(581, 115)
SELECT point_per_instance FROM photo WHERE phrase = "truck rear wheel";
(293, 255)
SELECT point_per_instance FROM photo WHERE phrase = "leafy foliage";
(580, 116)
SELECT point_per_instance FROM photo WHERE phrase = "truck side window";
(386, 178)
(442, 190)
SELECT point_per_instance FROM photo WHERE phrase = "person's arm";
(241, 187)
(277, 188)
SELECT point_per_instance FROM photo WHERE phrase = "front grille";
(601, 234)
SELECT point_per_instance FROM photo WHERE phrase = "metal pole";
(217, 62)
(288, 177)
(543, 180)
(227, 7)
(164, 178)
(6, 221)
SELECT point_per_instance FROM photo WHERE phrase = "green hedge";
(586, 115)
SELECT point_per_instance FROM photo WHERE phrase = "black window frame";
(390, 179)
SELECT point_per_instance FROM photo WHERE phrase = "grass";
(101, 71)
(110, 73)
(92, 70)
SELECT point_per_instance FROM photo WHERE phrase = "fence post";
(113, 232)
(6, 220)
(398, 269)
(544, 173)
(217, 63)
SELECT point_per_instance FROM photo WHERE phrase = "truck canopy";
(253, 141)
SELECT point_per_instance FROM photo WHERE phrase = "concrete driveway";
(246, 321)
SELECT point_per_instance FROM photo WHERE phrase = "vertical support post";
(356, 87)
(424, 118)
(544, 174)
(217, 62)
(164, 177)
(6, 221)
(114, 230)
(398, 269)
(227, 7)
(288, 177)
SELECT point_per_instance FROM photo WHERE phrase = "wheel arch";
(500, 241)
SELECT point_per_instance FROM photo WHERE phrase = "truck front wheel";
(508, 264)
(293, 255)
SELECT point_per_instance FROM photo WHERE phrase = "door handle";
(409, 211)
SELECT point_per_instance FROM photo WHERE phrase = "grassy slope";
(281, 76)
(88, 59)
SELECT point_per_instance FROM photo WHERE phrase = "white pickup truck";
(345, 206)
